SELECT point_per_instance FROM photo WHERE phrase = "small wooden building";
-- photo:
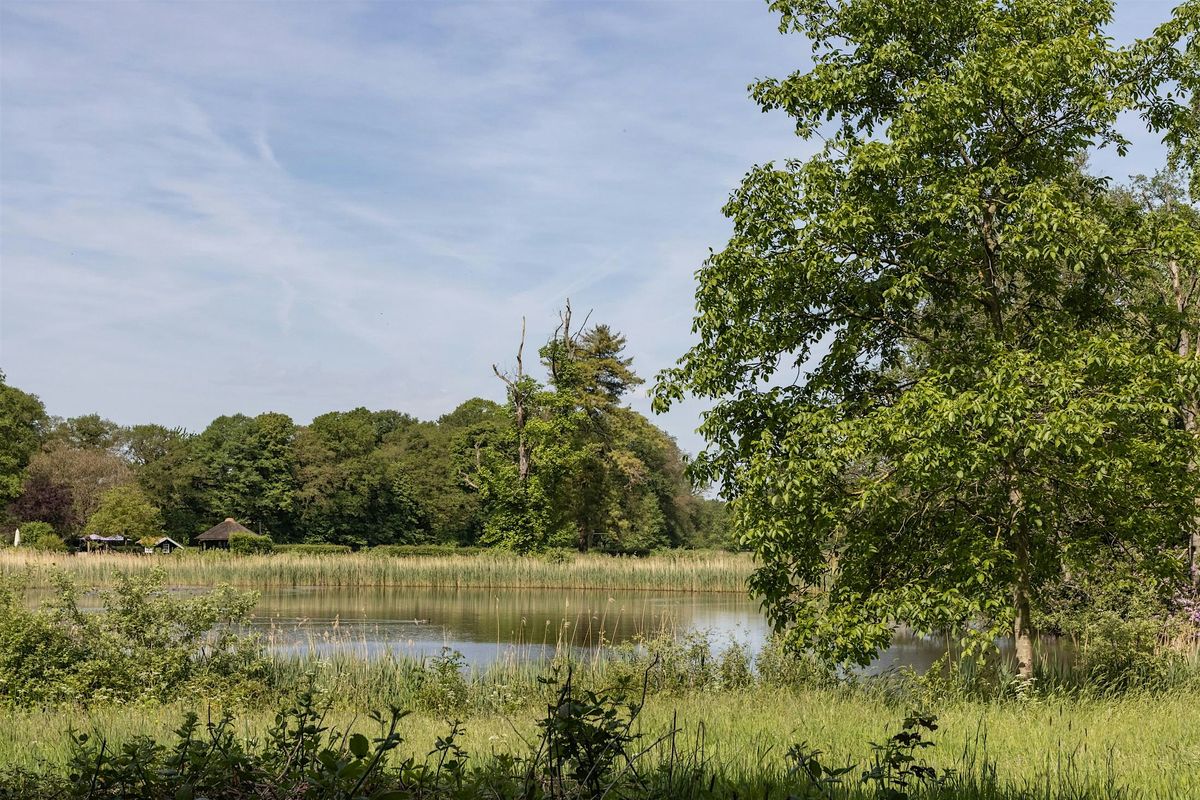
(163, 544)
(217, 537)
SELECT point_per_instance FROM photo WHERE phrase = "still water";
(487, 625)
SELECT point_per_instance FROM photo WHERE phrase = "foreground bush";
(145, 644)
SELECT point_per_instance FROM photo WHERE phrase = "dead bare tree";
(566, 341)
(519, 392)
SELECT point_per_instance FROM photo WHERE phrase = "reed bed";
(683, 572)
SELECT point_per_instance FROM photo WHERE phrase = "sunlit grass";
(1149, 745)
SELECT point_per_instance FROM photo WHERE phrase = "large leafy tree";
(925, 409)
(76, 475)
(1166, 304)
(22, 425)
(349, 490)
(244, 469)
(171, 476)
(88, 432)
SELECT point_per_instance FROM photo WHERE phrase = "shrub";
(441, 685)
(313, 549)
(144, 644)
(41, 536)
(250, 544)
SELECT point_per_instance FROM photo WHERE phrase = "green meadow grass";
(686, 571)
(1135, 747)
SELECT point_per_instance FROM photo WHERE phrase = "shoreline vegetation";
(738, 723)
(723, 722)
(675, 571)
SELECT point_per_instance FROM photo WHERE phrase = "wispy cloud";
(214, 207)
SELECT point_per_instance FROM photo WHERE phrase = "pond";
(487, 625)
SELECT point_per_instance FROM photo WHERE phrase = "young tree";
(974, 423)
(125, 511)
(40, 536)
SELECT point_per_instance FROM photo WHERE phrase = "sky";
(213, 208)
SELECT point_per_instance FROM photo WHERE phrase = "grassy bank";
(686, 571)
(1137, 746)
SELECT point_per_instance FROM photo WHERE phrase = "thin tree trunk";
(517, 394)
(1191, 413)
(1022, 623)
(1191, 416)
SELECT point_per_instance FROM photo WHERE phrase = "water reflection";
(487, 625)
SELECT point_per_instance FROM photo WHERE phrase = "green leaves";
(932, 392)
(359, 746)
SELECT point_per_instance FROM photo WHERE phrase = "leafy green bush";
(145, 644)
(250, 544)
(41, 536)
(313, 549)
(1121, 624)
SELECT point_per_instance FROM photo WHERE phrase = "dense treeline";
(562, 463)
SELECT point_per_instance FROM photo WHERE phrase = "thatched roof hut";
(218, 535)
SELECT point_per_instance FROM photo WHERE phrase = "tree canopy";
(930, 403)
(598, 475)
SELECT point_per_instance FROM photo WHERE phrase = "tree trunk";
(1191, 416)
(1191, 411)
(1022, 623)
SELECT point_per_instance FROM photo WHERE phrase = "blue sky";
(215, 207)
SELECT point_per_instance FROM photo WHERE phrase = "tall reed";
(684, 572)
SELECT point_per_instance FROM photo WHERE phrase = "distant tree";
(429, 455)
(85, 473)
(125, 511)
(244, 468)
(45, 500)
(22, 426)
(145, 444)
(589, 364)
(349, 491)
(170, 474)
(88, 432)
